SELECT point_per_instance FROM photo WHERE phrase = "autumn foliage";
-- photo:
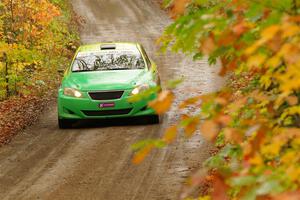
(36, 38)
(254, 119)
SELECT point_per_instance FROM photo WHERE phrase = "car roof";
(116, 45)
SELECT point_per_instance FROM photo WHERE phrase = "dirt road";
(95, 162)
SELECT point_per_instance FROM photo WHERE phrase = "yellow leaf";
(272, 149)
(256, 160)
(274, 61)
(266, 80)
(250, 50)
(163, 102)
(269, 32)
(289, 80)
(266, 35)
(292, 110)
(296, 142)
(256, 60)
(285, 49)
(293, 172)
(288, 157)
(204, 198)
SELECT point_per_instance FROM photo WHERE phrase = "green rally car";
(100, 80)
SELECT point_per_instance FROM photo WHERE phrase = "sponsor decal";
(106, 105)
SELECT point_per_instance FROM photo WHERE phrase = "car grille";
(106, 112)
(106, 95)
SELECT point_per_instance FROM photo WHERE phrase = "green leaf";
(269, 187)
(141, 144)
(174, 83)
(243, 180)
(250, 195)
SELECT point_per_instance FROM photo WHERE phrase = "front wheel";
(64, 124)
(154, 119)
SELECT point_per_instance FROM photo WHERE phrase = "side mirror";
(153, 67)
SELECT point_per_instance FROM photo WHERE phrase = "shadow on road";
(98, 123)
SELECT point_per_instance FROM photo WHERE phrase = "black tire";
(154, 119)
(64, 123)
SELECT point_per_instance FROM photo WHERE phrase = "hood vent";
(108, 47)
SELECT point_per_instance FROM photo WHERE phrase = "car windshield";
(108, 60)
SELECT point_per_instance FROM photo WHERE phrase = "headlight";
(72, 92)
(139, 89)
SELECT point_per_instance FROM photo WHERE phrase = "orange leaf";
(224, 120)
(179, 7)
(227, 38)
(240, 28)
(227, 65)
(232, 135)
(140, 155)
(255, 143)
(275, 43)
(292, 100)
(236, 105)
(291, 53)
(170, 134)
(191, 127)
(221, 101)
(219, 188)
(163, 102)
(208, 45)
(189, 101)
(287, 196)
(209, 129)
(290, 30)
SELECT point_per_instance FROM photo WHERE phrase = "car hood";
(104, 80)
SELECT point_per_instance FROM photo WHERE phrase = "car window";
(108, 60)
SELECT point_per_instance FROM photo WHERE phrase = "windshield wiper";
(120, 69)
(83, 70)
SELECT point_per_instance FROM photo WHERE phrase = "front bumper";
(87, 108)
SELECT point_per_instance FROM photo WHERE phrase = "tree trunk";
(6, 76)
